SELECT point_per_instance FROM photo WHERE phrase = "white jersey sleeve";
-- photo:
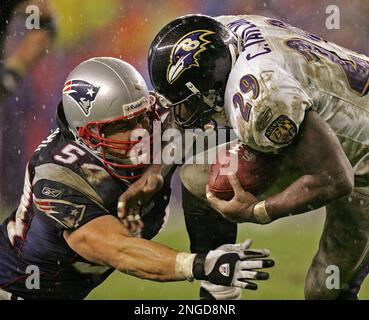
(265, 105)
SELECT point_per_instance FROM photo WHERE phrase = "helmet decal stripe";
(185, 51)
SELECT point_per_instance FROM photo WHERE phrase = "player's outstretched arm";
(326, 175)
(106, 241)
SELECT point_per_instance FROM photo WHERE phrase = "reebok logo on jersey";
(224, 269)
(54, 193)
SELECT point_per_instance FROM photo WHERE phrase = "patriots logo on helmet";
(82, 92)
(185, 51)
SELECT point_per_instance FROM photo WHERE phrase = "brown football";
(256, 171)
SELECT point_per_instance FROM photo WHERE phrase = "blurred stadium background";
(124, 29)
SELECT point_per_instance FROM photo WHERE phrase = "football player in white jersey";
(287, 92)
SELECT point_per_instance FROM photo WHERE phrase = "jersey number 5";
(69, 154)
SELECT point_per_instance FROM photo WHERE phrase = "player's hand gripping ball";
(255, 170)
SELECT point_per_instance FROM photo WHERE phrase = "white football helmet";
(102, 91)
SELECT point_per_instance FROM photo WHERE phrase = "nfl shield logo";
(82, 92)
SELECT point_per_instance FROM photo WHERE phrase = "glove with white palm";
(230, 265)
(210, 291)
(233, 265)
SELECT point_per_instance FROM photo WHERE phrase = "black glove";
(9, 81)
(232, 265)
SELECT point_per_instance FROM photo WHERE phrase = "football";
(255, 170)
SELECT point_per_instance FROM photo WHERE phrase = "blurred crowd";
(124, 29)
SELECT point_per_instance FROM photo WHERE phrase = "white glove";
(232, 265)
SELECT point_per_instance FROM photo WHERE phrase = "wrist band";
(198, 268)
(261, 214)
(184, 264)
